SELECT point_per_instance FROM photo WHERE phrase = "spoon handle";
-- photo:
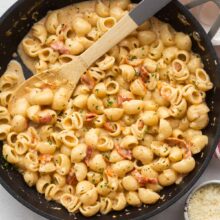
(144, 10)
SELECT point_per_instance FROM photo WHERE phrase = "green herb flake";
(133, 57)
(146, 130)
(5, 165)
(137, 73)
(179, 110)
(110, 102)
(101, 170)
(153, 75)
(106, 155)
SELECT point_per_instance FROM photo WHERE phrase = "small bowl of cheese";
(203, 203)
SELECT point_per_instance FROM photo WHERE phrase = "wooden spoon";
(72, 71)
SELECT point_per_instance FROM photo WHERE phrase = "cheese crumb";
(205, 203)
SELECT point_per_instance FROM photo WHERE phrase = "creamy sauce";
(66, 16)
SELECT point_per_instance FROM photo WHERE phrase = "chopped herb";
(101, 170)
(146, 130)
(110, 102)
(5, 165)
(106, 155)
(50, 142)
(133, 57)
(136, 72)
(179, 110)
(97, 107)
(153, 75)
(165, 150)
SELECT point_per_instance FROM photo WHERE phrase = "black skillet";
(14, 25)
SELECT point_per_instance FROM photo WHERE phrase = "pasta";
(132, 125)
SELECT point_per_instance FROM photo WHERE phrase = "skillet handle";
(216, 24)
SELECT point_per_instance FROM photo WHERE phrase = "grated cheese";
(205, 203)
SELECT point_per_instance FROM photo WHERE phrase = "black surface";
(12, 180)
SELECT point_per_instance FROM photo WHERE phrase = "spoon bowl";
(67, 76)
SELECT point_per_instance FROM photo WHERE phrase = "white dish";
(192, 193)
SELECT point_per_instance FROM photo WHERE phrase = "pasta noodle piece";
(90, 210)
(105, 205)
(105, 24)
(101, 9)
(183, 41)
(39, 31)
(70, 202)
(147, 196)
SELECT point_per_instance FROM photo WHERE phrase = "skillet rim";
(201, 169)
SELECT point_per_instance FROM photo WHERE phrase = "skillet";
(15, 24)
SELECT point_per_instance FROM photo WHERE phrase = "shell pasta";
(131, 127)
